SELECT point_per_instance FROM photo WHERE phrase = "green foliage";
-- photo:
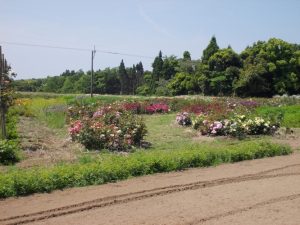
(162, 88)
(270, 68)
(265, 69)
(187, 56)
(182, 84)
(9, 152)
(9, 147)
(110, 168)
(169, 67)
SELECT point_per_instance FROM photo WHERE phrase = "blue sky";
(140, 27)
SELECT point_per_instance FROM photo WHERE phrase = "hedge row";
(112, 167)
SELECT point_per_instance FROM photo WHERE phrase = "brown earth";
(258, 192)
(42, 145)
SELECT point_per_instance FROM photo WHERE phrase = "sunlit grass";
(291, 114)
(52, 111)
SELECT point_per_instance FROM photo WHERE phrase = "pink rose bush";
(157, 108)
(75, 128)
(109, 127)
(183, 119)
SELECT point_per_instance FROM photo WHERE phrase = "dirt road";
(258, 192)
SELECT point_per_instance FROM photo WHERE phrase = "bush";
(9, 152)
(237, 125)
(156, 108)
(109, 128)
(117, 167)
(183, 119)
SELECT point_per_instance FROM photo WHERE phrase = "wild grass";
(51, 111)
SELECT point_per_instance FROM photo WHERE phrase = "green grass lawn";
(291, 114)
(165, 134)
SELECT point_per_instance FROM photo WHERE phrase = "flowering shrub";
(157, 108)
(237, 126)
(133, 107)
(183, 119)
(207, 108)
(75, 128)
(108, 128)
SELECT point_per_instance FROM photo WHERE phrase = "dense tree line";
(263, 69)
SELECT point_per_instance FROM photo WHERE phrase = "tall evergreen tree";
(123, 78)
(211, 49)
(187, 56)
(157, 66)
(139, 73)
(132, 80)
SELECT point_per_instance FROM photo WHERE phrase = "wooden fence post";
(3, 69)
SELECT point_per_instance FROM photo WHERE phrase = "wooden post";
(2, 108)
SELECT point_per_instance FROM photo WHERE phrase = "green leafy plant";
(113, 167)
(9, 152)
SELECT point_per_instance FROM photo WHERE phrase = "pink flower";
(75, 127)
(98, 113)
(157, 107)
(218, 125)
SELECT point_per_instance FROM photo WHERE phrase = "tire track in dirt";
(241, 210)
(135, 196)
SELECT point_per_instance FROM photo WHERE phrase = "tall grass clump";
(52, 111)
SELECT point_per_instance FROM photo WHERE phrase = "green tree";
(211, 49)
(83, 84)
(169, 68)
(157, 66)
(123, 76)
(224, 67)
(139, 74)
(183, 83)
(274, 65)
(187, 56)
(68, 86)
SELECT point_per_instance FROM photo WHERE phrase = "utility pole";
(92, 71)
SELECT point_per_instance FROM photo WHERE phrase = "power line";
(43, 46)
(74, 49)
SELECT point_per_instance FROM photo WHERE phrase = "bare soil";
(291, 139)
(42, 145)
(258, 192)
